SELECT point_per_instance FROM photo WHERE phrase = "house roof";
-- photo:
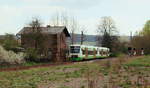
(46, 30)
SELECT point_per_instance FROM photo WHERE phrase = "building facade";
(52, 38)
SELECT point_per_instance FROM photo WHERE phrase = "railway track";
(47, 65)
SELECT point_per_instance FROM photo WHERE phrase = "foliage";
(37, 39)
(10, 42)
(107, 40)
(146, 29)
(32, 54)
(144, 61)
(114, 54)
(120, 48)
(35, 34)
(142, 38)
(9, 57)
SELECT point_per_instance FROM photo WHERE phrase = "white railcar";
(80, 52)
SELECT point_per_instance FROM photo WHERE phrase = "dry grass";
(112, 73)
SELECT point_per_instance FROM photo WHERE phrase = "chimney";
(48, 26)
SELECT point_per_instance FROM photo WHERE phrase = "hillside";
(89, 39)
(92, 39)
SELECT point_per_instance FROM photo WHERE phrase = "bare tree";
(106, 24)
(106, 32)
(38, 39)
(35, 23)
(62, 19)
(35, 33)
(73, 26)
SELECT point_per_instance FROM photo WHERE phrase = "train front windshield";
(74, 49)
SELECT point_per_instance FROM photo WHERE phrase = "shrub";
(113, 54)
(32, 54)
(116, 54)
(9, 57)
(9, 42)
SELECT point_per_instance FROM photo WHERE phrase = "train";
(79, 52)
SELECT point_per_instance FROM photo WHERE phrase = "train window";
(90, 52)
(75, 49)
(101, 52)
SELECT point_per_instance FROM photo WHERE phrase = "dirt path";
(55, 64)
(35, 66)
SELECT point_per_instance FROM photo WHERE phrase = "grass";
(142, 61)
(121, 72)
(21, 65)
(31, 78)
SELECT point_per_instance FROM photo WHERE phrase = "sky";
(129, 15)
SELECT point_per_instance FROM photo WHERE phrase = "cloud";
(12, 18)
(16, 15)
(128, 14)
(73, 4)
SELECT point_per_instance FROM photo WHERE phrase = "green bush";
(116, 54)
(32, 54)
(9, 42)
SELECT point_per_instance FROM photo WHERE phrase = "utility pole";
(82, 36)
(130, 36)
(72, 38)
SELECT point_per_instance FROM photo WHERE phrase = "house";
(54, 41)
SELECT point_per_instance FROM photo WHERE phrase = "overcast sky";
(129, 15)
